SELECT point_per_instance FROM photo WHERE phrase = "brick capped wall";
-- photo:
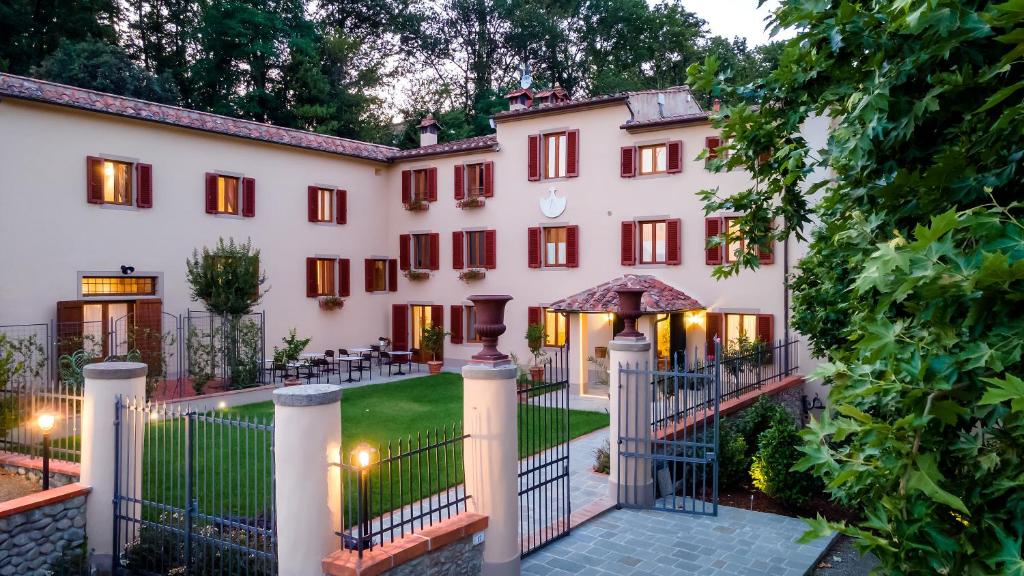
(35, 530)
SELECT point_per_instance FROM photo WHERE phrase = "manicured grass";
(230, 463)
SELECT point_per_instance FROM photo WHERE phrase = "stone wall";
(461, 557)
(36, 530)
(792, 400)
(57, 478)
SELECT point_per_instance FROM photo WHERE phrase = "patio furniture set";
(354, 361)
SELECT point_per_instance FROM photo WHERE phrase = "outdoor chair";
(366, 363)
(384, 360)
(332, 365)
(375, 351)
(278, 369)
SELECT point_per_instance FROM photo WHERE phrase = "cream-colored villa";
(103, 198)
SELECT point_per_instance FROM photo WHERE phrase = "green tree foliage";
(912, 284)
(227, 279)
(99, 66)
(31, 30)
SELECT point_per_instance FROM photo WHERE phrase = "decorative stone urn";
(629, 310)
(490, 324)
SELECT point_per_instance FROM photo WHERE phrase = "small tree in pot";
(431, 340)
(535, 340)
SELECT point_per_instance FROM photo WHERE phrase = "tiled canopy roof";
(464, 145)
(659, 297)
(60, 94)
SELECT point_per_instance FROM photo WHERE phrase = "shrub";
(603, 459)
(733, 461)
(772, 467)
(758, 418)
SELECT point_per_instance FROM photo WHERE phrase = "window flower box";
(329, 303)
(416, 275)
(471, 202)
(417, 206)
(472, 274)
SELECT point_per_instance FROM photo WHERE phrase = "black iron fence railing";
(758, 365)
(401, 488)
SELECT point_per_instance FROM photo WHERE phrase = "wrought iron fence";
(415, 483)
(224, 348)
(756, 366)
(193, 492)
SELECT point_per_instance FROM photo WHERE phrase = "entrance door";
(422, 317)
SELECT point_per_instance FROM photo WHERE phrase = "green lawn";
(225, 454)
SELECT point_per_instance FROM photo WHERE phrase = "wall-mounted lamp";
(813, 404)
(126, 270)
(695, 318)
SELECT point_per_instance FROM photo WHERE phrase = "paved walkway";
(640, 542)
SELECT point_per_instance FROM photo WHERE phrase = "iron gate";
(193, 492)
(543, 427)
(668, 436)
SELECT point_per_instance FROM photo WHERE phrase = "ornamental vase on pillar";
(629, 311)
(490, 324)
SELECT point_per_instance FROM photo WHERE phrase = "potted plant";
(417, 206)
(416, 275)
(431, 340)
(535, 341)
(471, 202)
(329, 303)
(472, 274)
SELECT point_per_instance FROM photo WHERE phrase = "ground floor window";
(740, 327)
(420, 320)
(470, 314)
(555, 328)
(118, 286)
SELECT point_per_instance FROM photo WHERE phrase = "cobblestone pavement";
(640, 542)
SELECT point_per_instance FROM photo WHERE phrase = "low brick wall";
(444, 549)
(36, 529)
(61, 473)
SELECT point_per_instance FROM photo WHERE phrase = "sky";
(731, 18)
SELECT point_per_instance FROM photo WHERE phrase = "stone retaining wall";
(37, 529)
(57, 479)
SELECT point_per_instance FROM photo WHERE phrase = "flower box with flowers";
(417, 206)
(471, 202)
(331, 303)
(415, 275)
(472, 274)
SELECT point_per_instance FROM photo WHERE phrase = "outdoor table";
(350, 360)
(311, 355)
(408, 360)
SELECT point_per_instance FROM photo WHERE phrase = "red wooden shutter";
(765, 328)
(70, 317)
(627, 245)
(392, 275)
(460, 181)
(766, 253)
(341, 206)
(211, 193)
(490, 249)
(712, 143)
(458, 262)
(149, 330)
(712, 330)
(432, 184)
(713, 228)
(456, 324)
(572, 156)
(674, 161)
(406, 186)
(311, 291)
(533, 247)
(403, 251)
(144, 185)
(93, 180)
(437, 315)
(368, 274)
(488, 179)
(248, 197)
(627, 161)
(313, 204)
(399, 327)
(572, 246)
(673, 241)
(435, 251)
(535, 315)
(533, 157)
(344, 277)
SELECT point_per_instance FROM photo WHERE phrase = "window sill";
(113, 206)
(227, 216)
(554, 268)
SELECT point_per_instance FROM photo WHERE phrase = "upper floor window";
(653, 242)
(653, 159)
(555, 246)
(377, 276)
(648, 159)
(227, 194)
(322, 278)
(419, 186)
(553, 155)
(474, 180)
(476, 249)
(118, 182)
(733, 244)
(327, 205)
(421, 251)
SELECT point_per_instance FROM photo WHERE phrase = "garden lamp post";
(45, 421)
(363, 457)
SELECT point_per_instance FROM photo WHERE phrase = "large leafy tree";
(913, 282)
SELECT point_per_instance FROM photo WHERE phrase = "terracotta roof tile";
(465, 145)
(667, 121)
(659, 297)
(60, 94)
(560, 106)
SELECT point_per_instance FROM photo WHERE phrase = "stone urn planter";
(490, 324)
(292, 381)
(629, 310)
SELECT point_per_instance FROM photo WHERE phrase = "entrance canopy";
(658, 298)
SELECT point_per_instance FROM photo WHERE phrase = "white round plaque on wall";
(552, 205)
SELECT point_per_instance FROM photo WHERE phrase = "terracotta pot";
(490, 324)
(292, 382)
(435, 366)
(629, 311)
(536, 373)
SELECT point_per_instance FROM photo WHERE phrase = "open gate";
(668, 436)
(543, 424)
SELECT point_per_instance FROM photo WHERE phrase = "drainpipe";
(785, 302)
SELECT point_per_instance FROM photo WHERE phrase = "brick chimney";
(520, 99)
(429, 129)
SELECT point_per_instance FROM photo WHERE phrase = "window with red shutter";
(112, 181)
(675, 156)
(627, 243)
(406, 186)
(248, 197)
(572, 246)
(311, 280)
(673, 241)
(533, 247)
(490, 249)
(458, 241)
(432, 184)
(392, 275)
(341, 206)
(627, 162)
(488, 179)
(572, 162)
(435, 251)
(313, 203)
(711, 145)
(714, 330)
(211, 193)
(535, 315)
(766, 253)
(144, 185)
(368, 274)
(455, 328)
(713, 229)
(533, 157)
(765, 328)
(460, 182)
(94, 180)
(403, 251)
(400, 327)
(344, 277)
